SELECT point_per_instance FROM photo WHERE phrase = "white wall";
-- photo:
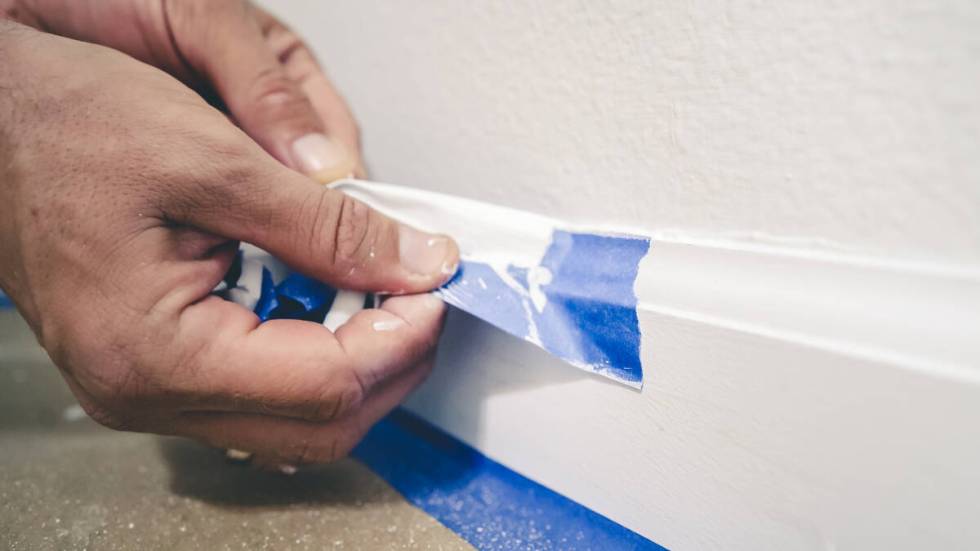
(823, 160)
(850, 125)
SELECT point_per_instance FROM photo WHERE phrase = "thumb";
(270, 106)
(321, 232)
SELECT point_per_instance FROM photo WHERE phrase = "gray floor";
(67, 483)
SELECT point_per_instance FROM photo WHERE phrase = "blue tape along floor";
(487, 504)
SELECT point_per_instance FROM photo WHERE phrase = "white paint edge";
(919, 317)
(925, 320)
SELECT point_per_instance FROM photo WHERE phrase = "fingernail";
(323, 159)
(424, 253)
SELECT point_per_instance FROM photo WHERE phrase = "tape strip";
(577, 303)
(484, 502)
(569, 291)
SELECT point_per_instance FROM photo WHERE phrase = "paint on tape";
(577, 303)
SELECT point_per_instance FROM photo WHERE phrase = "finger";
(277, 441)
(295, 368)
(381, 332)
(302, 67)
(290, 452)
(231, 52)
(320, 232)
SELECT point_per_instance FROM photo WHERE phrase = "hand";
(123, 197)
(232, 52)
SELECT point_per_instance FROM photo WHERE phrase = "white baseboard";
(791, 401)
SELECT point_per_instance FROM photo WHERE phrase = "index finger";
(302, 67)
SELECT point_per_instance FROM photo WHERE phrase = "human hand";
(231, 52)
(123, 198)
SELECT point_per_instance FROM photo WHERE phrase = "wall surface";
(841, 125)
(811, 331)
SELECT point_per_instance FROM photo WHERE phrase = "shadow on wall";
(476, 361)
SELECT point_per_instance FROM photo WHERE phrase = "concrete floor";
(67, 483)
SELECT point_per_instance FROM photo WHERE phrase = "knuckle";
(274, 96)
(340, 396)
(320, 450)
(286, 42)
(340, 447)
(333, 452)
(304, 453)
(317, 223)
(352, 235)
(271, 85)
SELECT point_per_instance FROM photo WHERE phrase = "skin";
(125, 195)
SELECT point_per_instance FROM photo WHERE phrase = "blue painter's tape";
(296, 297)
(487, 504)
(479, 289)
(268, 299)
(578, 303)
(308, 293)
(5, 302)
(591, 291)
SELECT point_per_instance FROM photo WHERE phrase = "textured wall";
(843, 125)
